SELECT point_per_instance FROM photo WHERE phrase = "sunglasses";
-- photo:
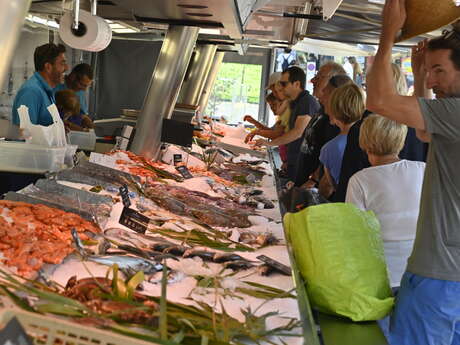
(446, 34)
(284, 83)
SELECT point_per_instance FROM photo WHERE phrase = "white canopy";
(330, 48)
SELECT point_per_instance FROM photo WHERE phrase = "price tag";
(177, 159)
(124, 193)
(183, 170)
(121, 143)
(134, 220)
(104, 160)
(286, 270)
(14, 334)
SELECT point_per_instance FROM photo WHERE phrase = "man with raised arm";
(428, 303)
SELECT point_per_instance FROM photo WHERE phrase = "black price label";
(14, 334)
(177, 159)
(183, 170)
(134, 220)
(286, 270)
(124, 193)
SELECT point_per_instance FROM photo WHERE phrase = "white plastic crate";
(84, 140)
(30, 158)
(50, 330)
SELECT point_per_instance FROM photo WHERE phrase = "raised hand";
(394, 16)
(418, 59)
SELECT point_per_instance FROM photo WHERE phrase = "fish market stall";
(189, 248)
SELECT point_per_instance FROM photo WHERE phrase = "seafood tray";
(49, 330)
(99, 170)
(71, 175)
(240, 150)
(30, 199)
(52, 186)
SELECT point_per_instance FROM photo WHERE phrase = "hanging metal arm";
(76, 14)
(94, 7)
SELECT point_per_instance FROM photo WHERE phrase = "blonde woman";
(390, 188)
(345, 107)
(355, 159)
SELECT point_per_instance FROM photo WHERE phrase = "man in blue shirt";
(37, 92)
(79, 80)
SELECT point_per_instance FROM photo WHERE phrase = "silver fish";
(126, 264)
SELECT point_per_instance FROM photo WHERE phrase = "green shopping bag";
(339, 252)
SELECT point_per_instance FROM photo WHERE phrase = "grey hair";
(335, 68)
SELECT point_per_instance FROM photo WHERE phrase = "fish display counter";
(188, 249)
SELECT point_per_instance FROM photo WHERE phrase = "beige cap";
(274, 78)
(427, 15)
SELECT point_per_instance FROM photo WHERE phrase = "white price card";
(104, 160)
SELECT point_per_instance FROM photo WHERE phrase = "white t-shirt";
(348, 67)
(392, 192)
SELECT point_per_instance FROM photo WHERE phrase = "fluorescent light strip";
(124, 31)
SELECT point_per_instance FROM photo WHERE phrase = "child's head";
(67, 103)
(272, 102)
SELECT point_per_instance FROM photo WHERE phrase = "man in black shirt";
(319, 130)
(303, 106)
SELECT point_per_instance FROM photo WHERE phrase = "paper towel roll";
(94, 33)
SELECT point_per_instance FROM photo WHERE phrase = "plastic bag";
(339, 252)
(52, 135)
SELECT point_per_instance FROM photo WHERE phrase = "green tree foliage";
(238, 83)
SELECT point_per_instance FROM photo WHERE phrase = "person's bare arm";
(326, 184)
(266, 133)
(256, 123)
(313, 179)
(382, 97)
(420, 75)
(300, 124)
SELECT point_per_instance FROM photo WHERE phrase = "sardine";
(176, 250)
(203, 254)
(161, 246)
(225, 257)
(238, 265)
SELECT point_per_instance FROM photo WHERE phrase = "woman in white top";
(391, 188)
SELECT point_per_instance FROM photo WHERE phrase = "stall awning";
(330, 48)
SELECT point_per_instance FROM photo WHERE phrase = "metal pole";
(94, 7)
(199, 70)
(164, 88)
(11, 22)
(76, 14)
(210, 81)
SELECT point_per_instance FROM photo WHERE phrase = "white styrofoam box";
(84, 140)
(30, 158)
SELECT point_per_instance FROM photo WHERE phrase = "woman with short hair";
(391, 188)
(345, 106)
